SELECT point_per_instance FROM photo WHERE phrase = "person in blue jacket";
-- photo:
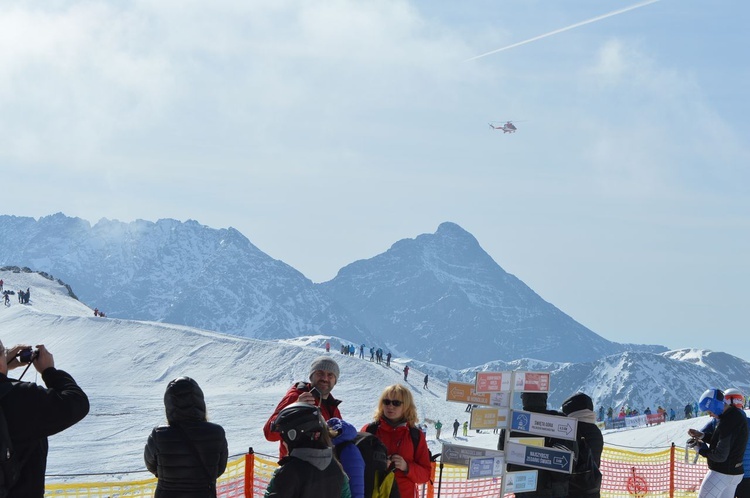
(343, 433)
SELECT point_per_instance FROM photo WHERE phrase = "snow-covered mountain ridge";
(422, 298)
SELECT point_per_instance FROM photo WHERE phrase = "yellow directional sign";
(488, 418)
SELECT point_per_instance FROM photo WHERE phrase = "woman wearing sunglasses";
(395, 425)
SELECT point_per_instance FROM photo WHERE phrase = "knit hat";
(326, 364)
(576, 402)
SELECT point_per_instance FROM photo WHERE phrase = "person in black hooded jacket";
(189, 454)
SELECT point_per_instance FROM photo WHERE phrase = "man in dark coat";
(34, 413)
(585, 481)
(324, 375)
(550, 484)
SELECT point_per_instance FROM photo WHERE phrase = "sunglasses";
(394, 402)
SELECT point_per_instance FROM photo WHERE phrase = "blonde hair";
(403, 394)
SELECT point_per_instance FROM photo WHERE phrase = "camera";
(314, 391)
(27, 355)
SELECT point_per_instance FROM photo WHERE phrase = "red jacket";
(398, 442)
(329, 408)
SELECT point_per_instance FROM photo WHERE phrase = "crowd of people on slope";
(375, 354)
(691, 410)
(23, 296)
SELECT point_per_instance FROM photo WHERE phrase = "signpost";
(493, 382)
(531, 381)
(482, 467)
(541, 424)
(462, 392)
(539, 458)
(492, 392)
(519, 482)
(488, 418)
(455, 454)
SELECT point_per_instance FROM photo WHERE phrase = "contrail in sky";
(588, 21)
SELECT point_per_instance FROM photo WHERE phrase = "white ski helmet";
(735, 397)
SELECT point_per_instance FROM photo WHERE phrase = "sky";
(327, 131)
(124, 367)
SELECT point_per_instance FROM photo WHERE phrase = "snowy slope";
(124, 367)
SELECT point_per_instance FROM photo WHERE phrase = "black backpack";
(586, 477)
(9, 466)
(375, 456)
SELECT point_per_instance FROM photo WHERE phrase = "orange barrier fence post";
(671, 471)
(431, 483)
(249, 472)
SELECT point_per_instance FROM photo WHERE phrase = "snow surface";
(124, 367)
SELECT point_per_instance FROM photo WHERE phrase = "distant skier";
(438, 426)
(406, 371)
(456, 425)
(466, 428)
(388, 359)
(426, 378)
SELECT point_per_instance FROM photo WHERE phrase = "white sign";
(541, 424)
(482, 467)
(455, 454)
(520, 482)
(531, 382)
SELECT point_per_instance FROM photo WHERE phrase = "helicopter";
(508, 127)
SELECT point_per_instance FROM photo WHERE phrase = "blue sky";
(326, 131)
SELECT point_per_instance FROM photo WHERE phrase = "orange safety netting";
(667, 473)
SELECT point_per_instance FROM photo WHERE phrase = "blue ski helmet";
(712, 401)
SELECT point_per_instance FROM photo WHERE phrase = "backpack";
(9, 465)
(586, 477)
(379, 480)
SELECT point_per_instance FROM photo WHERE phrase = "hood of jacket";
(320, 458)
(184, 401)
(346, 431)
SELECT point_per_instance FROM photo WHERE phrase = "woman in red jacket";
(394, 422)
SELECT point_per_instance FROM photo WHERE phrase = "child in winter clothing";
(309, 470)
(351, 459)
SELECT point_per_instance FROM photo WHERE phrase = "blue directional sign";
(539, 458)
(542, 424)
(482, 467)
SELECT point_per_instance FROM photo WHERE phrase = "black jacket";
(726, 450)
(590, 439)
(33, 413)
(308, 473)
(189, 454)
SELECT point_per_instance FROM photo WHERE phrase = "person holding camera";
(33, 413)
(324, 374)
